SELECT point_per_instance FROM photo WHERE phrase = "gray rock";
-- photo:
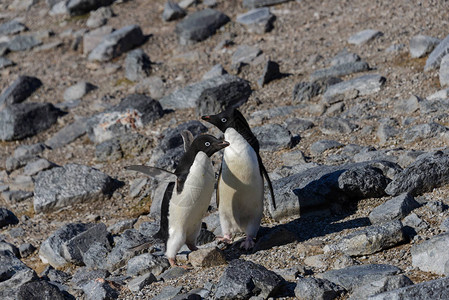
(388, 128)
(18, 121)
(387, 283)
(121, 252)
(353, 277)
(146, 263)
(260, 116)
(95, 256)
(22, 88)
(273, 137)
(16, 196)
(169, 151)
(215, 71)
(394, 209)
(261, 3)
(23, 43)
(133, 111)
(34, 167)
(434, 289)
(5, 246)
(431, 255)
(78, 90)
(425, 174)
(121, 226)
(423, 131)
(321, 146)
(81, 7)
(83, 276)
(69, 185)
(7, 217)
(233, 92)
(40, 289)
(99, 17)
(189, 96)
(137, 65)
(12, 27)
(173, 273)
(118, 42)
(340, 70)
(420, 45)
(93, 38)
(28, 150)
(315, 187)
(372, 239)
(68, 134)
(123, 146)
(138, 283)
(99, 290)
(360, 86)
(444, 71)
(363, 182)
(4, 63)
(172, 11)
(259, 20)
(433, 106)
(245, 54)
(298, 125)
(75, 248)
(277, 236)
(364, 36)
(344, 57)
(26, 249)
(445, 225)
(409, 105)
(54, 275)
(337, 126)
(315, 288)
(168, 293)
(13, 274)
(413, 224)
(51, 249)
(270, 72)
(200, 25)
(435, 57)
(436, 206)
(241, 279)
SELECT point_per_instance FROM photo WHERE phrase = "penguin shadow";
(323, 208)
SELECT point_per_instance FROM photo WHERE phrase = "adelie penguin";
(195, 179)
(240, 190)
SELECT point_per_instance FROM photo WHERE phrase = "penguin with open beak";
(195, 180)
(240, 190)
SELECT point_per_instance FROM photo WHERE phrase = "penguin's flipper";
(217, 194)
(187, 137)
(154, 172)
(270, 186)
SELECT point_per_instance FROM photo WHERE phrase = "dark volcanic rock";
(304, 91)
(243, 279)
(137, 65)
(68, 185)
(40, 289)
(425, 174)
(270, 72)
(315, 288)
(22, 120)
(200, 25)
(317, 186)
(259, 20)
(273, 137)
(19, 90)
(363, 182)
(231, 93)
(172, 11)
(7, 217)
(340, 70)
(81, 7)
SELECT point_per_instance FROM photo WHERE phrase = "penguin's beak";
(206, 118)
(223, 144)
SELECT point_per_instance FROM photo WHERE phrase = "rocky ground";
(348, 100)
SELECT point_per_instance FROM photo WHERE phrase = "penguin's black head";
(230, 117)
(207, 144)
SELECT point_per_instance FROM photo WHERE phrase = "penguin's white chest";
(241, 186)
(188, 207)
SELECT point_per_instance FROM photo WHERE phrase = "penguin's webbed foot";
(248, 243)
(173, 264)
(225, 239)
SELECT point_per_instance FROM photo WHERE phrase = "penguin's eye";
(207, 144)
(223, 120)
